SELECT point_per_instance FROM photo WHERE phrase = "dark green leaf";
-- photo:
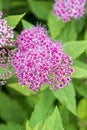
(10, 126)
(40, 8)
(10, 109)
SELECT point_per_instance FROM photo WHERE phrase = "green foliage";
(67, 97)
(10, 126)
(28, 127)
(41, 9)
(55, 25)
(53, 122)
(42, 109)
(11, 110)
(14, 20)
(81, 87)
(82, 109)
(79, 72)
(75, 48)
(14, 84)
(64, 115)
(60, 30)
(26, 24)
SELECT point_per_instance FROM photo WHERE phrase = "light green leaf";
(12, 83)
(80, 64)
(75, 48)
(55, 25)
(54, 122)
(26, 24)
(67, 97)
(82, 109)
(42, 109)
(27, 126)
(40, 8)
(11, 110)
(79, 72)
(10, 126)
(68, 33)
(14, 20)
(37, 126)
(60, 30)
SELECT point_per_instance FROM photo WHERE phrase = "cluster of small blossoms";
(6, 33)
(5, 62)
(66, 9)
(39, 60)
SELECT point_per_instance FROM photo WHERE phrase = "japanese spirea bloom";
(66, 9)
(39, 60)
(6, 33)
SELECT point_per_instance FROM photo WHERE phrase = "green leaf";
(81, 87)
(80, 64)
(42, 109)
(82, 109)
(55, 25)
(15, 4)
(36, 127)
(79, 72)
(10, 126)
(64, 115)
(27, 126)
(11, 110)
(41, 9)
(85, 35)
(54, 122)
(68, 33)
(12, 83)
(14, 20)
(67, 97)
(1, 6)
(26, 24)
(75, 48)
(72, 125)
(60, 30)
(32, 100)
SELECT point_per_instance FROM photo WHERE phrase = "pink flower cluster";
(39, 60)
(66, 9)
(6, 33)
(5, 62)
